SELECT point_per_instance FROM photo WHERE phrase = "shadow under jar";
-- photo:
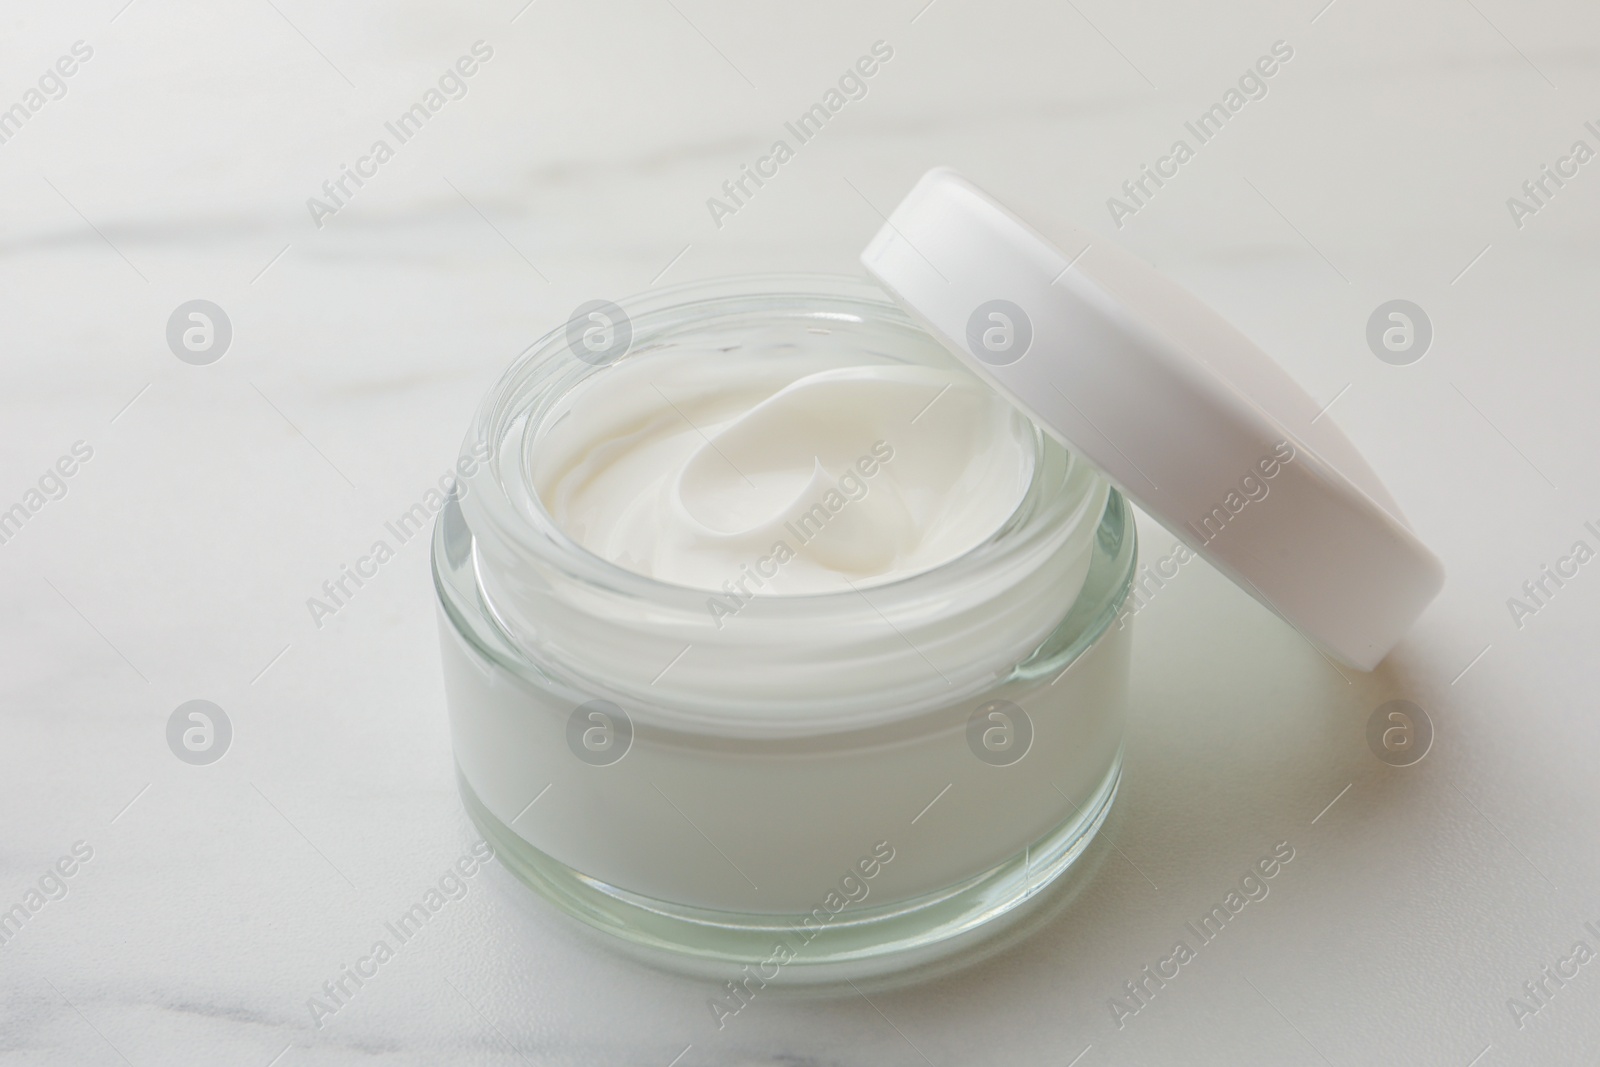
(835, 785)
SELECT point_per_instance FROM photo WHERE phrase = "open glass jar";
(831, 785)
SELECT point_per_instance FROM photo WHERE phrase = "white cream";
(787, 474)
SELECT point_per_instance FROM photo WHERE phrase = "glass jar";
(829, 786)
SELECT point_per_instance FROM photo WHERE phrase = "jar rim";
(682, 298)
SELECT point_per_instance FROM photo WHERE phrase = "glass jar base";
(858, 944)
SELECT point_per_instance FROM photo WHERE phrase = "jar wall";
(769, 827)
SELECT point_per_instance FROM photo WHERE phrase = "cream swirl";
(783, 474)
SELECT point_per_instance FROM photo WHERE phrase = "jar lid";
(1179, 409)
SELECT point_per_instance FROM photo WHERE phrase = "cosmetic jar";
(837, 784)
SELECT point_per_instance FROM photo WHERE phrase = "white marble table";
(177, 165)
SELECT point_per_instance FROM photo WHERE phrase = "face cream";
(776, 627)
(778, 623)
(807, 471)
(780, 632)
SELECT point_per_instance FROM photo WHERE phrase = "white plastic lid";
(1179, 409)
